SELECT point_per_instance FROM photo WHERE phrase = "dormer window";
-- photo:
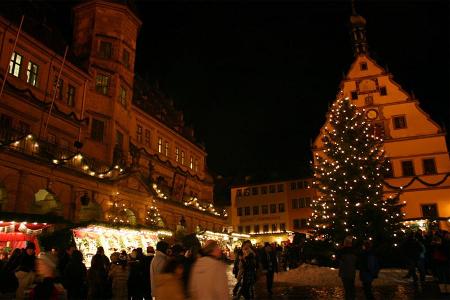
(363, 66)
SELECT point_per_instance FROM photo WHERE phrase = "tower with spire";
(414, 144)
(358, 32)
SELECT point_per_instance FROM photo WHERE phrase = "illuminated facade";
(84, 138)
(414, 144)
(272, 207)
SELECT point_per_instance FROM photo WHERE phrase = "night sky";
(255, 78)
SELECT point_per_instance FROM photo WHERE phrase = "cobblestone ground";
(402, 291)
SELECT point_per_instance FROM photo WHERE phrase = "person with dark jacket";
(97, 278)
(269, 265)
(247, 273)
(414, 252)
(368, 268)
(25, 272)
(147, 261)
(74, 276)
(136, 282)
(347, 267)
(8, 280)
(64, 258)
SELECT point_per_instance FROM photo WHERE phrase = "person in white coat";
(158, 262)
(208, 275)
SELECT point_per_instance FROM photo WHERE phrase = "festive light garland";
(76, 158)
(112, 171)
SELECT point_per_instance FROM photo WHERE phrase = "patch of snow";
(312, 275)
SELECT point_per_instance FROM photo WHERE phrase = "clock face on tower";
(372, 114)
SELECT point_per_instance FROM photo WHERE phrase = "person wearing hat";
(209, 280)
(26, 270)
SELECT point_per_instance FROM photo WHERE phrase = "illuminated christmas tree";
(153, 218)
(349, 174)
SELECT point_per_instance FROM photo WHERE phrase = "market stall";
(87, 239)
(226, 241)
(279, 237)
(16, 234)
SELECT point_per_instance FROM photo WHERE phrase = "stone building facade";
(414, 144)
(84, 138)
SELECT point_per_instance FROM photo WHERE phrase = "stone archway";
(46, 202)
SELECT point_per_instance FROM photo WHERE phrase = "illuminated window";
(147, 137)
(274, 227)
(247, 211)
(71, 95)
(301, 203)
(191, 163)
(177, 154)
(247, 192)
(123, 96)
(160, 145)
(196, 165)
(273, 208)
(429, 166)
(15, 64)
(265, 209)
(139, 134)
(272, 189)
(255, 210)
(182, 157)
(308, 202)
(280, 188)
(429, 211)
(166, 149)
(102, 84)
(408, 168)
(399, 122)
(32, 73)
(105, 50)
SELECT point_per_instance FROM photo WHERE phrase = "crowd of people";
(170, 272)
(192, 271)
(422, 253)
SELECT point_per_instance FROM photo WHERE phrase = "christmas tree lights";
(349, 177)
